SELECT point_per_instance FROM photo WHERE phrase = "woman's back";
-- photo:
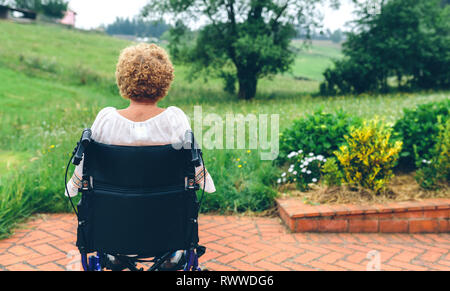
(144, 74)
(167, 127)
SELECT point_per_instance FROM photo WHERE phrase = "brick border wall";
(427, 216)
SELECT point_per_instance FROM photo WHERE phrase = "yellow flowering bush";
(369, 156)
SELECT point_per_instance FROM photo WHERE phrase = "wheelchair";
(138, 204)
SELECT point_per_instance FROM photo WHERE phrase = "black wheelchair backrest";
(138, 201)
(137, 167)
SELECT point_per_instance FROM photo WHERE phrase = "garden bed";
(427, 216)
(403, 187)
(403, 208)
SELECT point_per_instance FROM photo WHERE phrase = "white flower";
(308, 172)
(424, 161)
(279, 181)
(295, 173)
(283, 175)
(290, 170)
(314, 180)
(300, 152)
(303, 170)
(284, 180)
(311, 154)
(291, 155)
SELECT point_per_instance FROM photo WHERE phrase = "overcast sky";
(93, 13)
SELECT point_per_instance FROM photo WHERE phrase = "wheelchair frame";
(101, 261)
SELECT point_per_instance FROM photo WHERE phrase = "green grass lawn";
(54, 80)
(314, 58)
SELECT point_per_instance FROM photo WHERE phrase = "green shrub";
(304, 169)
(331, 173)
(320, 133)
(418, 129)
(369, 156)
(437, 170)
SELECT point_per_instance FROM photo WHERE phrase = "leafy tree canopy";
(51, 8)
(137, 27)
(408, 40)
(242, 40)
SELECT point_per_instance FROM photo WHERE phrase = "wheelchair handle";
(82, 145)
(191, 144)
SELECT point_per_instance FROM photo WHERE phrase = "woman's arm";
(75, 182)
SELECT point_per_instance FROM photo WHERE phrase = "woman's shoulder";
(103, 115)
(177, 117)
(176, 110)
(105, 111)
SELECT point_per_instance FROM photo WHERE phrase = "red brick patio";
(243, 243)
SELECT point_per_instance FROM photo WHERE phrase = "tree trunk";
(247, 86)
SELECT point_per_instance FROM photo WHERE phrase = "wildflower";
(52, 146)
(303, 170)
(238, 159)
(283, 175)
(292, 154)
(308, 172)
(290, 170)
(240, 166)
(249, 151)
(300, 152)
(314, 180)
(311, 154)
(295, 173)
(279, 181)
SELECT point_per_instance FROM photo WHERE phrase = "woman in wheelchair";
(144, 74)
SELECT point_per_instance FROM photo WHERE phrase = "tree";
(336, 36)
(50, 8)
(137, 27)
(54, 8)
(408, 40)
(242, 40)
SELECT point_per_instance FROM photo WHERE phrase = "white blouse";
(110, 127)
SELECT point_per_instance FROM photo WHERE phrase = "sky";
(93, 13)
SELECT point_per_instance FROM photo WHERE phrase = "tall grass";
(53, 82)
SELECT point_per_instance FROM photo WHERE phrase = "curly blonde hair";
(144, 73)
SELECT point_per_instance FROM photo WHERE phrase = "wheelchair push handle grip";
(82, 145)
(86, 137)
(191, 144)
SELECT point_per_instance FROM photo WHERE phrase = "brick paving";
(243, 243)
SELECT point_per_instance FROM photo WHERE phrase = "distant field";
(314, 58)
(53, 81)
